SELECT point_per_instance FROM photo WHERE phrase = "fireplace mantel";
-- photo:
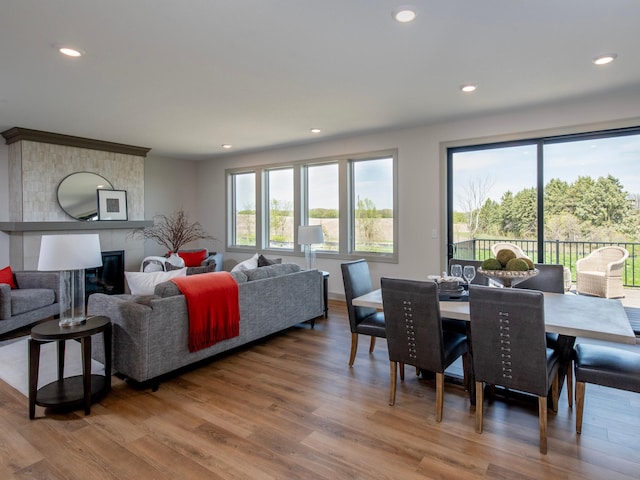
(60, 226)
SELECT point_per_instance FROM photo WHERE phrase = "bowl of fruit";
(508, 270)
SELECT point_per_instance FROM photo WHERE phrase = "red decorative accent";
(192, 259)
(214, 309)
(6, 276)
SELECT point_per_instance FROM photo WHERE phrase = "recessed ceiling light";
(404, 14)
(604, 59)
(468, 88)
(226, 145)
(315, 130)
(70, 52)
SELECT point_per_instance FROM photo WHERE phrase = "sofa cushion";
(28, 299)
(141, 283)
(6, 276)
(271, 271)
(239, 276)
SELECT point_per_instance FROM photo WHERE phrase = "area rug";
(14, 363)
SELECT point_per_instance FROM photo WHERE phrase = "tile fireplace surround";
(38, 161)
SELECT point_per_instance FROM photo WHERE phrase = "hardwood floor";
(290, 407)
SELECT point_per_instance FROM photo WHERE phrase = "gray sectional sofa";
(150, 334)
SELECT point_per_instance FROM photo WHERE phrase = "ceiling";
(184, 77)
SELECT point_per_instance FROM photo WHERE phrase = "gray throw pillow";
(265, 262)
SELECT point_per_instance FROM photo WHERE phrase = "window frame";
(300, 208)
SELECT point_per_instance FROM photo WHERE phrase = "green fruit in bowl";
(491, 264)
(517, 264)
(529, 263)
(504, 255)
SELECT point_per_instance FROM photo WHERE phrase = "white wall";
(169, 186)
(421, 179)
(4, 202)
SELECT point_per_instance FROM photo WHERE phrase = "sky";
(369, 176)
(514, 168)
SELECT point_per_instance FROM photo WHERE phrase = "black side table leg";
(61, 345)
(34, 368)
(107, 336)
(86, 373)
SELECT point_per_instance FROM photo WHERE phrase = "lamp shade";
(310, 234)
(69, 252)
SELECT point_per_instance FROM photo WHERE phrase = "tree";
(278, 214)
(475, 196)
(366, 220)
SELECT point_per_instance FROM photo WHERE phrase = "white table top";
(571, 315)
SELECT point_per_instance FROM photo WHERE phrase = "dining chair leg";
(401, 366)
(555, 394)
(580, 388)
(354, 348)
(542, 414)
(570, 385)
(392, 382)
(373, 344)
(417, 371)
(479, 400)
(439, 395)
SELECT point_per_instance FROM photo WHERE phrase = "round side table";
(77, 390)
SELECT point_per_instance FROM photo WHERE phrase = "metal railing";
(555, 251)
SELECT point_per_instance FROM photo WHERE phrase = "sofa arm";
(5, 301)
(35, 279)
(130, 317)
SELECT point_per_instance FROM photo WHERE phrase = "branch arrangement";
(174, 231)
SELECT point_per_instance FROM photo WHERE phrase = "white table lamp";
(308, 235)
(72, 254)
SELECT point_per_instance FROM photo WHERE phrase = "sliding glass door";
(558, 198)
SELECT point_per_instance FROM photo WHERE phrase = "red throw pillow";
(193, 259)
(6, 276)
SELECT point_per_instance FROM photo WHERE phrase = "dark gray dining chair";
(415, 335)
(551, 279)
(509, 348)
(607, 366)
(362, 320)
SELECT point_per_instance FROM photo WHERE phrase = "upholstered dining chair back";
(550, 279)
(509, 347)
(362, 320)
(415, 335)
(357, 281)
(412, 322)
(508, 338)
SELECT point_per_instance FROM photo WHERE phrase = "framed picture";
(112, 204)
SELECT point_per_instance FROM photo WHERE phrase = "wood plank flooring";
(289, 407)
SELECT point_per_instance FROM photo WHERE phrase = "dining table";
(569, 315)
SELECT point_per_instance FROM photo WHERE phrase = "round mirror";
(77, 194)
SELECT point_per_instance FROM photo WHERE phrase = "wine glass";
(456, 270)
(469, 273)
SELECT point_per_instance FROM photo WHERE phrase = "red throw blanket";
(214, 310)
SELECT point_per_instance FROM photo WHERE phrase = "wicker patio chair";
(600, 273)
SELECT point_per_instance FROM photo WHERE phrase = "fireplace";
(109, 278)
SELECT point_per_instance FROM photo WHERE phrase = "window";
(323, 203)
(243, 207)
(373, 202)
(352, 197)
(280, 211)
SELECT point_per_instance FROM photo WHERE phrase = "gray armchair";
(36, 298)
